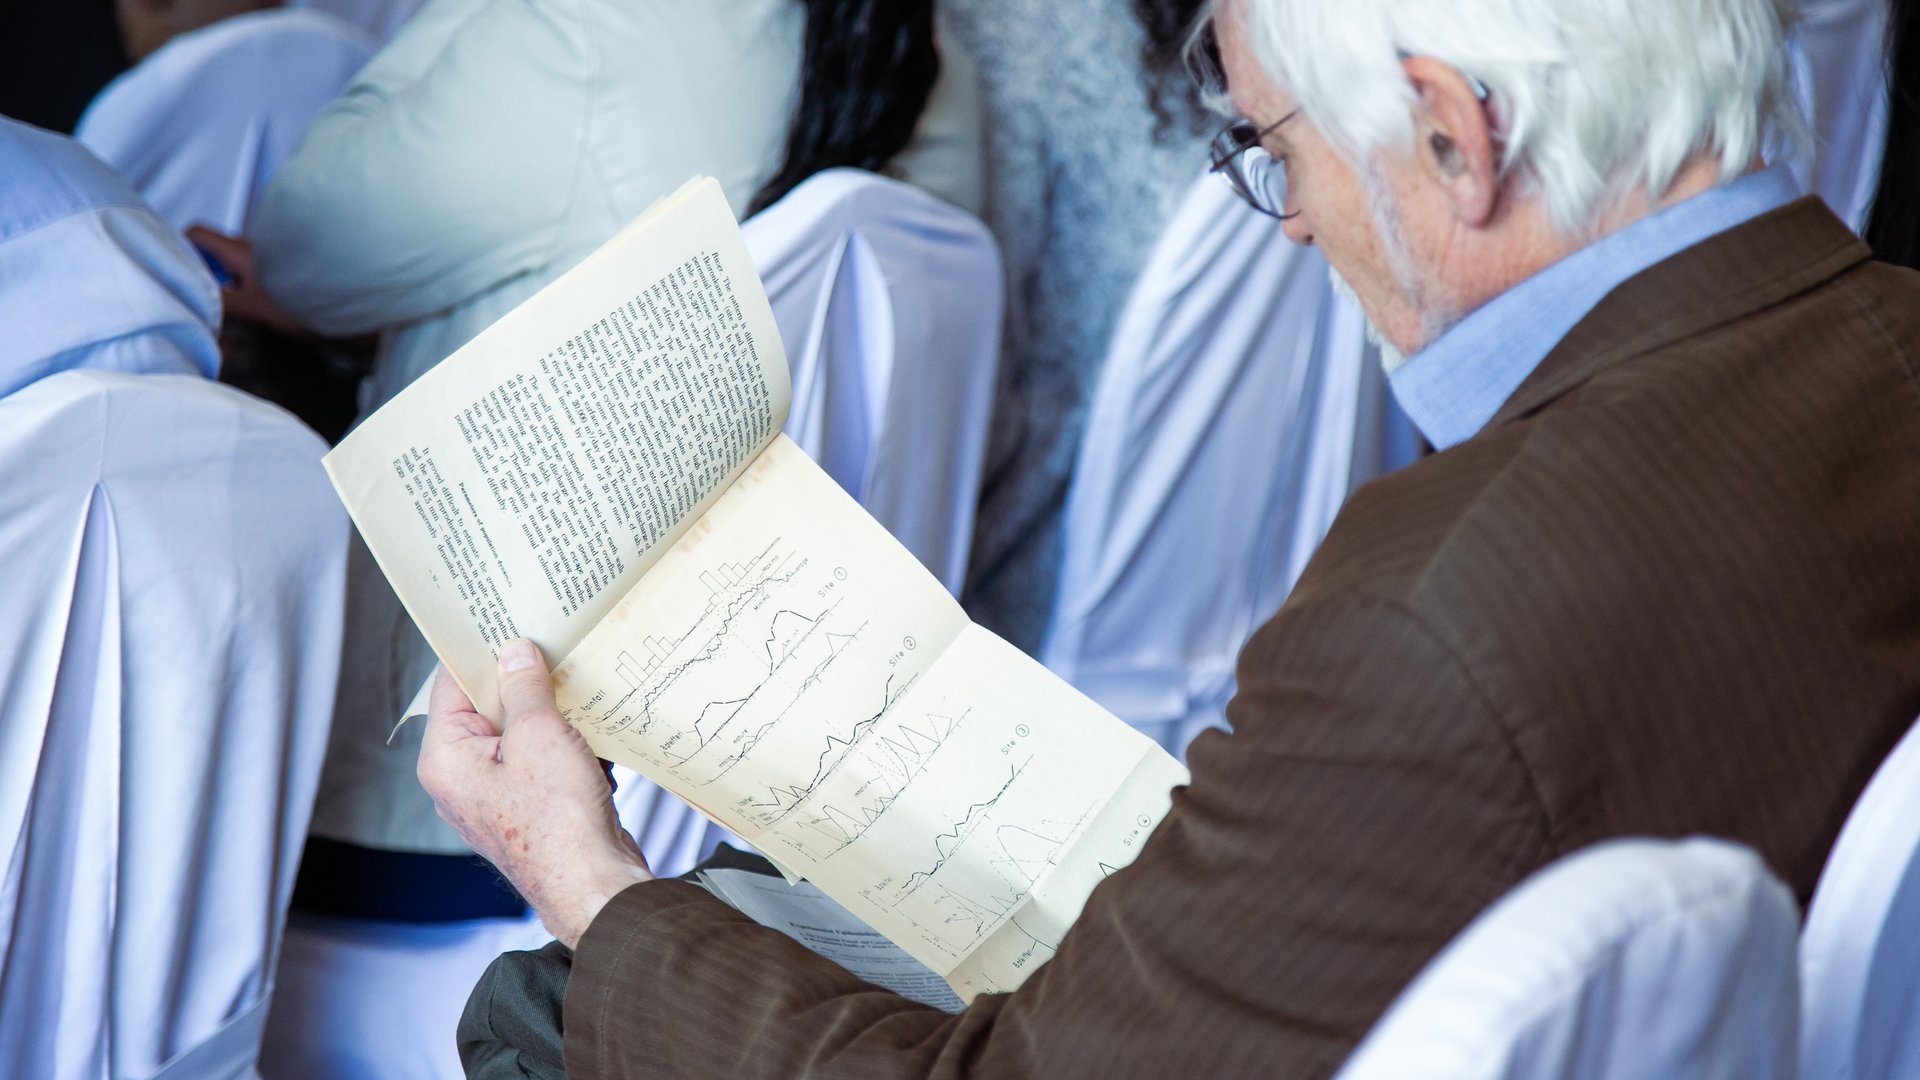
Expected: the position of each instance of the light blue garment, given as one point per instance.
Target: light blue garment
(1455, 385)
(170, 624)
(89, 277)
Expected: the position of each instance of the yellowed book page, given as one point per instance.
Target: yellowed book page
(1032, 795)
(1111, 840)
(522, 486)
(773, 640)
(791, 671)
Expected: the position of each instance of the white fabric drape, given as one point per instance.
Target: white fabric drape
(1240, 405)
(169, 644)
(201, 126)
(1839, 58)
(1860, 953)
(1632, 960)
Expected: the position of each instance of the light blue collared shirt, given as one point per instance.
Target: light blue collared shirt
(1453, 387)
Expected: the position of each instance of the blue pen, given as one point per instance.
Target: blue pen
(221, 275)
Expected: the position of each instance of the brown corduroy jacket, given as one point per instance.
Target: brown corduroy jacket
(1673, 588)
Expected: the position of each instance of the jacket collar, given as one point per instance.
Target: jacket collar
(1775, 256)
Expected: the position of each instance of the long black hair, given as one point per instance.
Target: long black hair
(1894, 226)
(1168, 23)
(865, 76)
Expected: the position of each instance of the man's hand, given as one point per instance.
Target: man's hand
(535, 801)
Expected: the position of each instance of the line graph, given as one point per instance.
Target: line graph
(767, 632)
(891, 761)
(782, 799)
(953, 838)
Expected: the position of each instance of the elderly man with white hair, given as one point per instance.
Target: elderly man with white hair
(1659, 579)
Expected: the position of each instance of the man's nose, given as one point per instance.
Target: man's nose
(1298, 230)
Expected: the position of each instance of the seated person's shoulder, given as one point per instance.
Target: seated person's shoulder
(113, 428)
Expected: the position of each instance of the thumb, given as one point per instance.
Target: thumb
(526, 687)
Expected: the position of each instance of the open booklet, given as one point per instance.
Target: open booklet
(602, 471)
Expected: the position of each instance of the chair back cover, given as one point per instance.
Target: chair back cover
(889, 304)
(1631, 960)
(1860, 952)
(1839, 58)
(202, 125)
(1240, 404)
(174, 565)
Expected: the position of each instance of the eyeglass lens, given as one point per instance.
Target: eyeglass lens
(1250, 170)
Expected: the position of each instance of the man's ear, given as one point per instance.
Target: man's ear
(1454, 139)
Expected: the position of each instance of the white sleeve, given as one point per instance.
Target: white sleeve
(443, 170)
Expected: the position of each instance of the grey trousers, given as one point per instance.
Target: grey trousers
(512, 1027)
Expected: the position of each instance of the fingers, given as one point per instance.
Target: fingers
(449, 703)
(527, 708)
(526, 687)
(235, 253)
(457, 738)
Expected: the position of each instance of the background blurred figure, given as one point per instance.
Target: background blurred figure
(171, 640)
(1083, 175)
(146, 25)
(1893, 228)
(1234, 357)
(199, 128)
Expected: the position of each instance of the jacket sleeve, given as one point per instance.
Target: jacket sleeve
(442, 171)
(1367, 806)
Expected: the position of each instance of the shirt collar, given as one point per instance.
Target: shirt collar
(1454, 386)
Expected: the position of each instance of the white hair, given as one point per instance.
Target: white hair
(1595, 100)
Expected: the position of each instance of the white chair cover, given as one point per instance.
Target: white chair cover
(202, 125)
(1633, 960)
(174, 567)
(889, 304)
(1839, 58)
(1239, 406)
(1860, 952)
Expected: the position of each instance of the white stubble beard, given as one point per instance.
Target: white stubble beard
(1390, 357)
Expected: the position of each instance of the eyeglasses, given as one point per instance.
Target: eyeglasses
(1245, 165)
(1240, 160)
